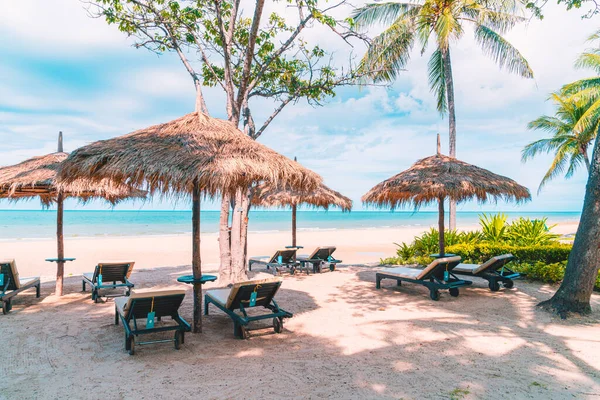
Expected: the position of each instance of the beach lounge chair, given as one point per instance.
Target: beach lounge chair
(11, 284)
(437, 275)
(283, 258)
(109, 275)
(149, 306)
(494, 271)
(322, 256)
(245, 295)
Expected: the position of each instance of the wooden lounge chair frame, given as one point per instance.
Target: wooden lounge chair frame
(432, 277)
(165, 304)
(288, 256)
(12, 285)
(321, 256)
(111, 272)
(239, 299)
(495, 272)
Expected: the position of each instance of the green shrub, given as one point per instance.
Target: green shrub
(420, 260)
(526, 232)
(479, 253)
(539, 271)
(493, 227)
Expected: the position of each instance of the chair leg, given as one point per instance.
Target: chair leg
(205, 307)
(83, 286)
(116, 316)
(378, 282)
(37, 290)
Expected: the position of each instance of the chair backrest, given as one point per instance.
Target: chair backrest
(438, 266)
(113, 271)
(322, 253)
(162, 302)
(241, 292)
(494, 263)
(287, 256)
(11, 276)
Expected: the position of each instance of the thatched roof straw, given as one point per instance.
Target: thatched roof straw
(266, 195)
(36, 177)
(171, 157)
(440, 176)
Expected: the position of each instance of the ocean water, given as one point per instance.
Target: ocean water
(20, 224)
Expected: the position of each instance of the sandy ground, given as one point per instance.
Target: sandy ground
(347, 340)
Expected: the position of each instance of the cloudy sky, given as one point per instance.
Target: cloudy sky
(61, 70)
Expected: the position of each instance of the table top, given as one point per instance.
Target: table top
(60, 260)
(190, 279)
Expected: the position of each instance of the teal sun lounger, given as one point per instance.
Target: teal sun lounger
(11, 284)
(109, 275)
(494, 271)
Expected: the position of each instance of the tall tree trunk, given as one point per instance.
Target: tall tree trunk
(441, 226)
(196, 260)
(60, 265)
(200, 103)
(451, 121)
(238, 269)
(575, 291)
(225, 240)
(586, 159)
(294, 225)
(245, 220)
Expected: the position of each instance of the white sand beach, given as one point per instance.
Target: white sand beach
(347, 340)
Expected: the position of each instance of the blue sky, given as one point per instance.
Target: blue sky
(62, 70)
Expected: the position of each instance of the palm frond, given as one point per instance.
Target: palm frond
(437, 80)
(502, 52)
(589, 60)
(389, 52)
(381, 13)
(581, 85)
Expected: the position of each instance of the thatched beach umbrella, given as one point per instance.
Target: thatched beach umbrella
(36, 177)
(439, 177)
(192, 155)
(267, 195)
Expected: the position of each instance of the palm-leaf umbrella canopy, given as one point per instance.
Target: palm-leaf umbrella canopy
(268, 195)
(193, 149)
(193, 154)
(36, 177)
(435, 178)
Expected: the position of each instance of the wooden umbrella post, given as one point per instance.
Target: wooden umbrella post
(196, 259)
(441, 225)
(294, 207)
(60, 264)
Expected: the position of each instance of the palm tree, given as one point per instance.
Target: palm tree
(569, 145)
(444, 22)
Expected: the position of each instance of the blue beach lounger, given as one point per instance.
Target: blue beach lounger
(145, 308)
(241, 297)
(109, 275)
(11, 285)
(494, 271)
(321, 257)
(437, 275)
(283, 258)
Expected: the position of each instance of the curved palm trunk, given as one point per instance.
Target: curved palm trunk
(451, 121)
(575, 291)
(586, 159)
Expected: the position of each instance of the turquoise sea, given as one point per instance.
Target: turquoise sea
(19, 224)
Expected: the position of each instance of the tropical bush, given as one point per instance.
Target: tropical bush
(479, 253)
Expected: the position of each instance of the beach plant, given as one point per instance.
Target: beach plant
(481, 252)
(527, 232)
(572, 134)
(493, 227)
(441, 22)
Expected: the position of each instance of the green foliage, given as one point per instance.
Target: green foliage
(442, 22)
(493, 227)
(571, 136)
(526, 232)
(481, 252)
(540, 271)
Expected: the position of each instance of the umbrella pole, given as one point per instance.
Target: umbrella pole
(441, 225)
(60, 265)
(294, 225)
(196, 260)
